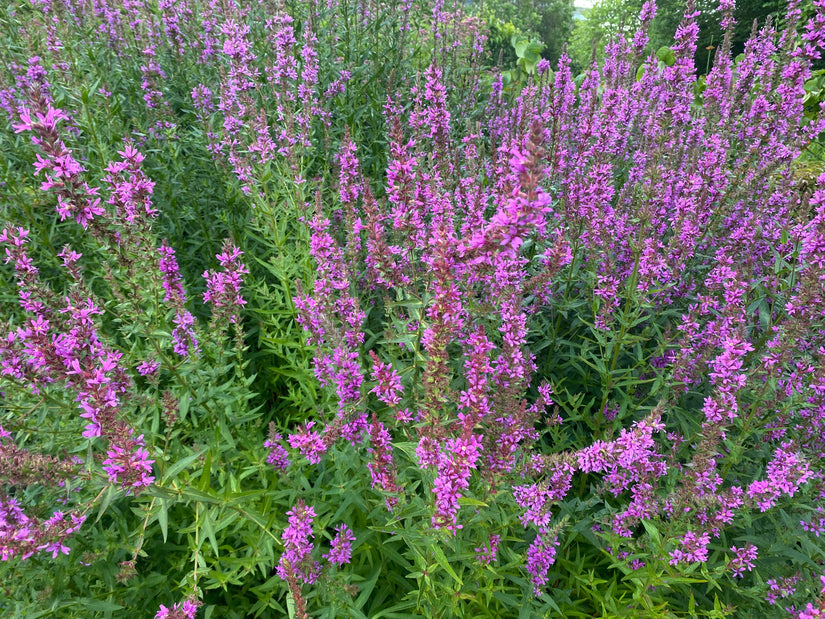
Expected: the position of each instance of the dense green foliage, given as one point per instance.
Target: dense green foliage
(529, 331)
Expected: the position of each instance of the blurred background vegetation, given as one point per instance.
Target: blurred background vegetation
(583, 27)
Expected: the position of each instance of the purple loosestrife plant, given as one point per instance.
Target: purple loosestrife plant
(223, 291)
(278, 455)
(182, 610)
(184, 338)
(62, 173)
(617, 200)
(382, 467)
(22, 536)
(340, 552)
(489, 552)
(296, 561)
(68, 351)
(743, 559)
(540, 558)
(572, 323)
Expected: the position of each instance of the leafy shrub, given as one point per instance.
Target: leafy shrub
(548, 350)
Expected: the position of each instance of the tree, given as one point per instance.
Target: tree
(556, 26)
(607, 19)
(549, 21)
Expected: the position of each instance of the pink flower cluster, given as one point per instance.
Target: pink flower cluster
(182, 610)
(184, 339)
(223, 288)
(459, 458)
(75, 198)
(22, 535)
(743, 559)
(382, 466)
(297, 556)
(541, 555)
(536, 499)
(278, 456)
(693, 548)
(488, 554)
(786, 473)
(340, 551)
(296, 565)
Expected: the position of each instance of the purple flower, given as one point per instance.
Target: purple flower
(202, 100)
(131, 189)
(540, 558)
(459, 457)
(786, 473)
(333, 317)
(223, 289)
(815, 525)
(630, 460)
(278, 456)
(382, 466)
(341, 546)
(523, 215)
(298, 547)
(128, 463)
(350, 181)
(778, 589)
(22, 535)
(387, 382)
(184, 340)
(542, 66)
(310, 444)
(148, 367)
(171, 275)
(536, 499)
(693, 548)
(183, 610)
(62, 172)
(475, 401)
(487, 555)
(743, 559)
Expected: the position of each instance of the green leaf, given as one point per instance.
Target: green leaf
(366, 589)
(408, 447)
(183, 405)
(665, 54)
(202, 497)
(526, 610)
(180, 465)
(653, 532)
(108, 496)
(290, 605)
(210, 531)
(163, 518)
(100, 605)
(442, 561)
(463, 501)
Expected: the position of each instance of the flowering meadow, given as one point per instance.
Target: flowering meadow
(314, 308)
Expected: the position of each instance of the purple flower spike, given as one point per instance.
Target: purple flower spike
(341, 546)
(297, 556)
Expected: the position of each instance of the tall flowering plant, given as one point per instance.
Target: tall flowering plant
(90, 364)
(556, 353)
(606, 250)
(115, 318)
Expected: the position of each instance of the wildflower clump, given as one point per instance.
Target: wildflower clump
(318, 308)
